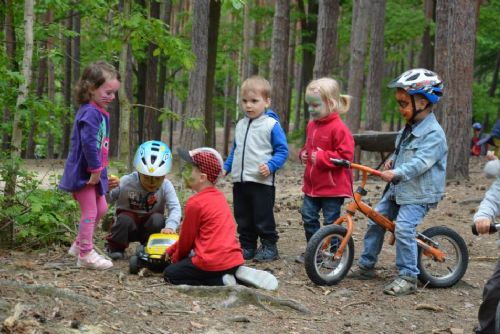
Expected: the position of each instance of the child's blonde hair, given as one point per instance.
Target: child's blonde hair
(258, 84)
(93, 77)
(329, 91)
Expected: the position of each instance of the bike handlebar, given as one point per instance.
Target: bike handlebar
(348, 164)
(493, 228)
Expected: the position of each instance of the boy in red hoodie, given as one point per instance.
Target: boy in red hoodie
(208, 252)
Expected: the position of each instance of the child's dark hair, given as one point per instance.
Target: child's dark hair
(92, 78)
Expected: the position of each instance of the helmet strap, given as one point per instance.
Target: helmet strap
(415, 110)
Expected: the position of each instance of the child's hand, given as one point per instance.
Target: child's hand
(388, 175)
(166, 257)
(491, 155)
(94, 178)
(224, 173)
(167, 231)
(113, 181)
(264, 170)
(313, 155)
(304, 156)
(483, 225)
(388, 164)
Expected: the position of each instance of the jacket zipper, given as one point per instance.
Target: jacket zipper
(312, 165)
(244, 147)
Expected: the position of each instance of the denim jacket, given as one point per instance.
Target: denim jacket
(420, 164)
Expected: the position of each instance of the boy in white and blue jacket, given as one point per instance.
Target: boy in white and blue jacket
(260, 148)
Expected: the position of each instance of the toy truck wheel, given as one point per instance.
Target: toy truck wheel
(139, 250)
(133, 265)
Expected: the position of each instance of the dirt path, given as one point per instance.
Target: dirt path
(53, 296)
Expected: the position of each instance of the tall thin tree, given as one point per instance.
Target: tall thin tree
(326, 38)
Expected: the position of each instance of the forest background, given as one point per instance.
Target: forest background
(181, 64)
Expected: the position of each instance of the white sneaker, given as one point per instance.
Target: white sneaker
(257, 278)
(74, 250)
(93, 261)
(229, 280)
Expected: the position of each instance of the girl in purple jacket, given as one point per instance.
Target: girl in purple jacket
(85, 173)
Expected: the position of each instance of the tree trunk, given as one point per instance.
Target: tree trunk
(376, 70)
(359, 38)
(7, 227)
(126, 108)
(10, 48)
(51, 88)
(455, 44)
(298, 82)
(426, 58)
(213, 32)
(249, 29)
(194, 132)
(326, 38)
(68, 117)
(290, 70)
(279, 60)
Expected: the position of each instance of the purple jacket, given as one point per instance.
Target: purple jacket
(88, 150)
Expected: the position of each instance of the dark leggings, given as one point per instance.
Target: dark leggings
(185, 272)
(491, 297)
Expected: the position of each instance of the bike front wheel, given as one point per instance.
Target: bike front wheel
(321, 267)
(437, 274)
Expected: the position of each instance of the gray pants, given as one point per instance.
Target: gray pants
(129, 227)
(491, 297)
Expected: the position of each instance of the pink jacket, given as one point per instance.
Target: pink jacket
(329, 137)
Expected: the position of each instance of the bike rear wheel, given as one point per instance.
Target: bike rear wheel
(437, 274)
(319, 263)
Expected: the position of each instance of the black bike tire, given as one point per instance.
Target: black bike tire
(436, 282)
(133, 264)
(310, 255)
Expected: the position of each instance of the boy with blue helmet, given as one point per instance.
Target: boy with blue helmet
(141, 199)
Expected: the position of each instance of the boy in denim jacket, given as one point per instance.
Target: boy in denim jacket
(416, 173)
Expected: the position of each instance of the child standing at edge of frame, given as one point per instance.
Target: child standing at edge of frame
(325, 185)
(260, 148)
(85, 174)
(416, 173)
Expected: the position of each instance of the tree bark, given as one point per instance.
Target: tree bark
(213, 32)
(194, 132)
(279, 60)
(67, 90)
(359, 38)
(298, 83)
(51, 87)
(6, 226)
(376, 70)
(10, 48)
(426, 58)
(326, 38)
(455, 44)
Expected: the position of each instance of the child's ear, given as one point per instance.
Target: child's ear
(268, 102)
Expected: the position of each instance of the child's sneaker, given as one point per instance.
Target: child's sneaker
(363, 273)
(267, 252)
(229, 280)
(74, 250)
(248, 253)
(257, 278)
(93, 261)
(401, 286)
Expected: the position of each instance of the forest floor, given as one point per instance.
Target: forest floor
(43, 291)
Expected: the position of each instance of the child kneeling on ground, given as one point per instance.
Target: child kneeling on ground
(208, 252)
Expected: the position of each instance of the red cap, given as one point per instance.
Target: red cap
(206, 159)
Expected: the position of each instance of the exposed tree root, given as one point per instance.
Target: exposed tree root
(50, 291)
(240, 295)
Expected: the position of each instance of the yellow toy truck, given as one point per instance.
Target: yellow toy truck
(151, 256)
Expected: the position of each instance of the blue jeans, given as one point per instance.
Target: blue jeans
(407, 217)
(310, 212)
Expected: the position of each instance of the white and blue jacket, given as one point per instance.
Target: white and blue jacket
(257, 141)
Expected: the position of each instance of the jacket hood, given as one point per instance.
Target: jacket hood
(272, 114)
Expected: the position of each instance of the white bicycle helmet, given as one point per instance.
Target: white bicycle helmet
(153, 158)
(420, 81)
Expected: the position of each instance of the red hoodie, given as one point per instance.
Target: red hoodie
(329, 137)
(209, 230)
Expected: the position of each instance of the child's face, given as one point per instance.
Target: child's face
(253, 103)
(105, 94)
(151, 183)
(192, 176)
(405, 107)
(317, 107)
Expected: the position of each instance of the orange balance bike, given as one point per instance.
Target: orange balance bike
(442, 253)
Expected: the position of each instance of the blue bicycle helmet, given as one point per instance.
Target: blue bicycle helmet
(477, 126)
(420, 81)
(153, 158)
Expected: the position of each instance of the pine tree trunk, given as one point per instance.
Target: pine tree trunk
(376, 70)
(213, 32)
(51, 88)
(359, 38)
(426, 58)
(455, 44)
(326, 38)
(68, 117)
(279, 60)
(6, 226)
(195, 136)
(10, 48)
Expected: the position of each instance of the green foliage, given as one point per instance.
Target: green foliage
(40, 217)
(482, 104)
